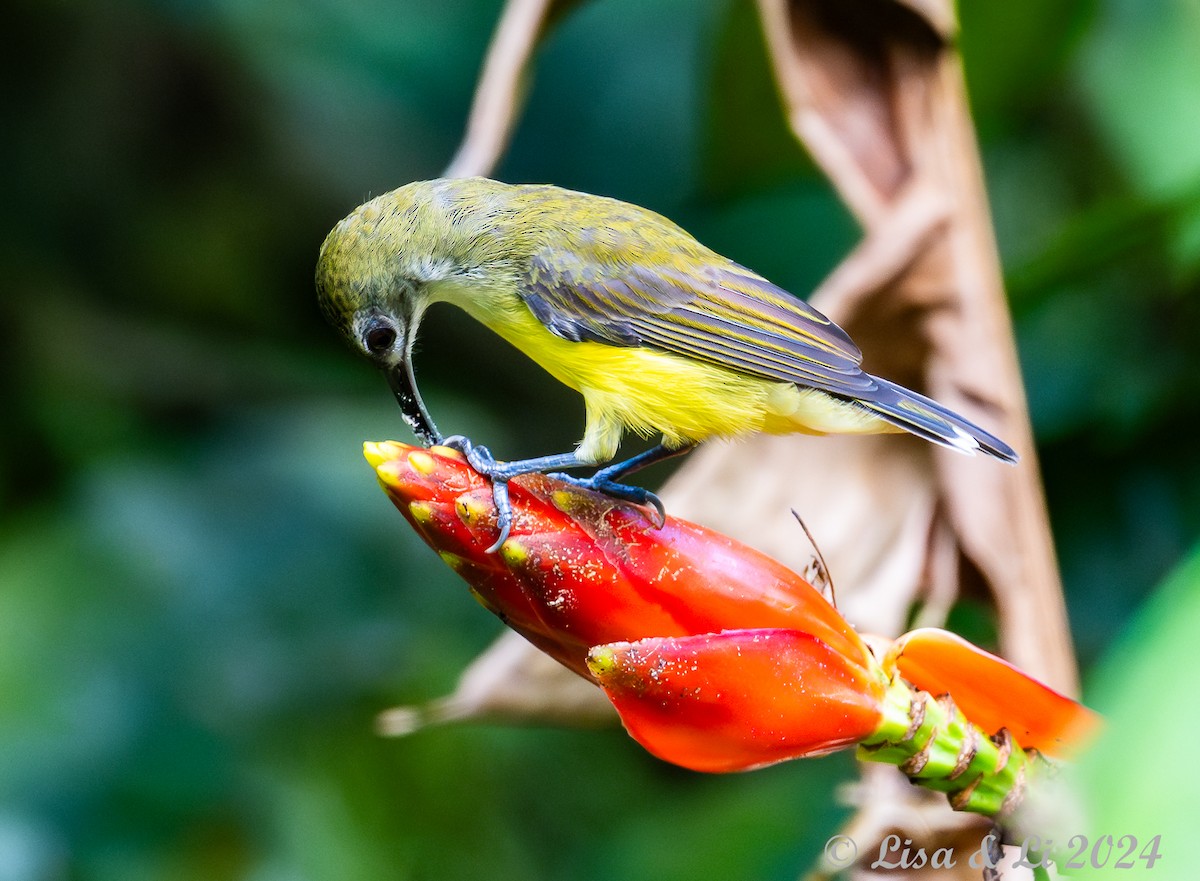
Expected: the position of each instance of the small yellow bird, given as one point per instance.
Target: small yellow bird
(660, 334)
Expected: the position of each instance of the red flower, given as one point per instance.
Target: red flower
(717, 657)
(580, 570)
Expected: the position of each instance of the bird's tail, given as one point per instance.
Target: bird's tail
(930, 420)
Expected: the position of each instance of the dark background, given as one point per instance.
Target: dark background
(204, 598)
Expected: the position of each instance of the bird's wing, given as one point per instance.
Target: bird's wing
(723, 314)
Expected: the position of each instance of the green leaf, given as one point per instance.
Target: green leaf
(1141, 773)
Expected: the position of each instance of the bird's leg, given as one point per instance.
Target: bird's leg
(657, 453)
(606, 479)
(500, 473)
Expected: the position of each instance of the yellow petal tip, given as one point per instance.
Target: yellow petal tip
(470, 510)
(447, 452)
(513, 553)
(422, 462)
(376, 453)
(601, 661)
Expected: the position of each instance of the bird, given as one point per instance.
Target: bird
(661, 335)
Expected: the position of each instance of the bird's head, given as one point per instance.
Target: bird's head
(385, 263)
(373, 271)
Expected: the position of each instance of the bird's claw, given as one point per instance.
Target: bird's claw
(623, 491)
(481, 459)
(504, 513)
(459, 442)
(659, 520)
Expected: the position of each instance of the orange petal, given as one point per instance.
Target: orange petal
(991, 692)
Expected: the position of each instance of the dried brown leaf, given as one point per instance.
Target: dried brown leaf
(511, 682)
(874, 90)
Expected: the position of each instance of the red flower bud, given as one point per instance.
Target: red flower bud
(580, 570)
(717, 657)
(739, 699)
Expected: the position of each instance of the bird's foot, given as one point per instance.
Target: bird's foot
(500, 473)
(601, 483)
(459, 442)
(481, 459)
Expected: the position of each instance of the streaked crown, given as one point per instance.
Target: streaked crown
(390, 247)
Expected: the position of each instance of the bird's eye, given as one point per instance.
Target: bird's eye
(380, 338)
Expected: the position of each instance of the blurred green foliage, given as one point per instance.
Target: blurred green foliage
(1134, 779)
(204, 599)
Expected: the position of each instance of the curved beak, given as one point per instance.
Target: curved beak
(404, 387)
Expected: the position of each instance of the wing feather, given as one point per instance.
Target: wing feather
(699, 305)
(715, 311)
(754, 362)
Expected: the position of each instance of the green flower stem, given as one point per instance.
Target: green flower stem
(932, 742)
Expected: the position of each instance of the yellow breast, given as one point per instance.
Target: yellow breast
(648, 391)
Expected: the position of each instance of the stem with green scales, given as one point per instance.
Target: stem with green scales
(937, 747)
